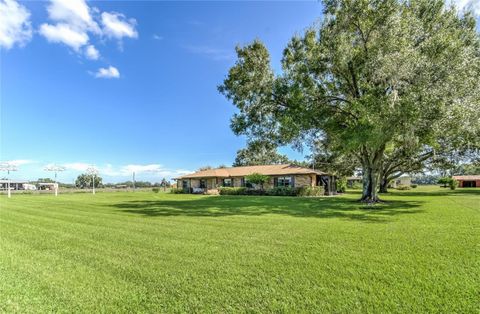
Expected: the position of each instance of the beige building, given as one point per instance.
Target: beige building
(404, 180)
(286, 175)
(351, 181)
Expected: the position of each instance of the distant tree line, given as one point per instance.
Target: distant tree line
(140, 184)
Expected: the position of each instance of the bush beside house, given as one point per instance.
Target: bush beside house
(450, 182)
(276, 191)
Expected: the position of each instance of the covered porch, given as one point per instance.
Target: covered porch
(199, 185)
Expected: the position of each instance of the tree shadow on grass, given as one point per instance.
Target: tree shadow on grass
(218, 206)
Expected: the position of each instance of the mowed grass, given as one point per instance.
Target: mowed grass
(146, 252)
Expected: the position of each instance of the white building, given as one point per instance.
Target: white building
(14, 184)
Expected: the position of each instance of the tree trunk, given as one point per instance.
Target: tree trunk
(370, 185)
(383, 185)
(372, 170)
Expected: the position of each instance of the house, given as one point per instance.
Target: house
(471, 181)
(403, 180)
(279, 175)
(351, 181)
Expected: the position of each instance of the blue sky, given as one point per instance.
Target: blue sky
(128, 86)
(162, 113)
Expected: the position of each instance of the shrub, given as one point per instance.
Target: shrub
(444, 181)
(232, 191)
(311, 191)
(403, 187)
(357, 186)
(282, 191)
(155, 190)
(342, 185)
(453, 184)
(276, 191)
(257, 178)
(413, 186)
(254, 192)
(177, 191)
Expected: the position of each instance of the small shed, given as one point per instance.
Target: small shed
(403, 180)
(47, 186)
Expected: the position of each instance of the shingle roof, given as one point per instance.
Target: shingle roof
(468, 178)
(285, 169)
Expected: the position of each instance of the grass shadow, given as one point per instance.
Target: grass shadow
(440, 192)
(218, 206)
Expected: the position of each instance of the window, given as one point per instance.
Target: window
(203, 183)
(227, 182)
(284, 181)
(185, 184)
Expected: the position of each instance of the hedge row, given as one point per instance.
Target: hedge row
(276, 191)
(177, 191)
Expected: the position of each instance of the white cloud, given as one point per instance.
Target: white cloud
(64, 33)
(77, 166)
(92, 53)
(216, 54)
(462, 5)
(110, 72)
(73, 23)
(157, 37)
(141, 168)
(18, 162)
(110, 171)
(74, 12)
(153, 171)
(15, 27)
(116, 25)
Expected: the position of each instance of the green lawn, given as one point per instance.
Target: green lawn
(147, 252)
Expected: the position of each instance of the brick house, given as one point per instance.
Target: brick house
(472, 181)
(279, 175)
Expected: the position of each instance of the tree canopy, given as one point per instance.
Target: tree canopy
(84, 181)
(375, 78)
(257, 178)
(259, 152)
(46, 180)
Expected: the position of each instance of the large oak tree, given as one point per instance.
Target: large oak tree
(375, 73)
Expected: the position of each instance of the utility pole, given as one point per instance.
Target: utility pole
(55, 169)
(93, 172)
(5, 166)
(133, 180)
